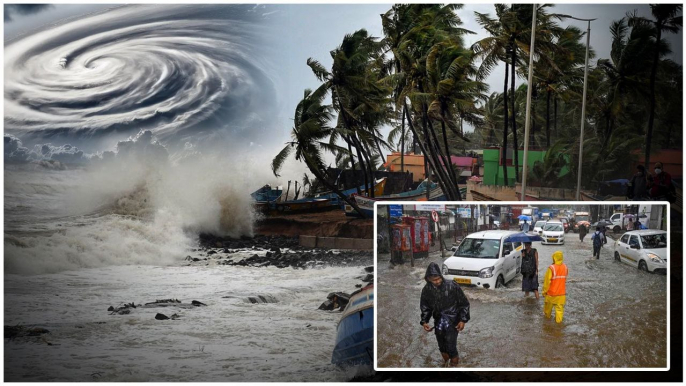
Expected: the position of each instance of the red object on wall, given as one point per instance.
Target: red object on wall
(419, 230)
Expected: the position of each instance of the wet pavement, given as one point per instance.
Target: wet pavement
(615, 317)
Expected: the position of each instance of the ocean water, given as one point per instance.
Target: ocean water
(80, 240)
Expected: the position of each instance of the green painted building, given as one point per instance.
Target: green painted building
(493, 170)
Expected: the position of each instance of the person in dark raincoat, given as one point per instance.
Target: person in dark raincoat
(582, 232)
(447, 304)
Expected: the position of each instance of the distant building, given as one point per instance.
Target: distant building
(415, 164)
(493, 169)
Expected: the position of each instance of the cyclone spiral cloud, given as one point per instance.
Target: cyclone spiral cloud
(174, 69)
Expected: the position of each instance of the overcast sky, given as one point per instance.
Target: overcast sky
(312, 30)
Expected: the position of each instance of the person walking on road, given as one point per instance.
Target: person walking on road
(530, 270)
(554, 288)
(597, 240)
(448, 305)
(582, 232)
(525, 227)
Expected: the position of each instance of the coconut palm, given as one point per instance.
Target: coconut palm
(310, 129)
(667, 19)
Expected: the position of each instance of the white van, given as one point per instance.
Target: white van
(485, 260)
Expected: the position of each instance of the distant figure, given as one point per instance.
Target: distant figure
(638, 190)
(525, 227)
(597, 239)
(448, 305)
(554, 288)
(660, 185)
(530, 270)
(582, 232)
(603, 229)
(637, 224)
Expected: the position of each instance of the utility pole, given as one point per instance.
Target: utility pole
(529, 89)
(583, 108)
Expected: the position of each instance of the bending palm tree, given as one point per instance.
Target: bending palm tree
(310, 129)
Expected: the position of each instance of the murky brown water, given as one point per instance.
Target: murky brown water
(615, 316)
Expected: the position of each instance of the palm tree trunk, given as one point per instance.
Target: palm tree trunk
(402, 142)
(438, 154)
(450, 163)
(352, 165)
(320, 177)
(427, 160)
(547, 120)
(557, 134)
(515, 144)
(503, 158)
(361, 160)
(288, 189)
(369, 160)
(297, 191)
(651, 117)
(378, 148)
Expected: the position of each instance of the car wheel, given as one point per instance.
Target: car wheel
(617, 256)
(499, 282)
(643, 266)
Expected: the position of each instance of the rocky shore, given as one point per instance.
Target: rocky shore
(278, 251)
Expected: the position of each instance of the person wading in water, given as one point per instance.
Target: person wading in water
(529, 270)
(448, 305)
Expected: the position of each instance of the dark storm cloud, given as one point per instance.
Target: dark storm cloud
(24, 9)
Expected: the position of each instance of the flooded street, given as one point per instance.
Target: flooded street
(615, 316)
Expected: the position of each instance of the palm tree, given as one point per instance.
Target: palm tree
(492, 113)
(310, 129)
(667, 19)
(356, 91)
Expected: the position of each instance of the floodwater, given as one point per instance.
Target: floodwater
(615, 317)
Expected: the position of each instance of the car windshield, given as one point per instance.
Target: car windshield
(563, 220)
(553, 227)
(581, 218)
(539, 224)
(479, 248)
(654, 241)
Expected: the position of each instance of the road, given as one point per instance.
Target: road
(615, 316)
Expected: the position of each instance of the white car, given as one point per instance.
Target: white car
(553, 233)
(538, 228)
(485, 259)
(645, 249)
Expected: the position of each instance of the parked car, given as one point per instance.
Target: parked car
(553, 233)
(538, 228)
(485, 259)
(645, 249)
(565, 223)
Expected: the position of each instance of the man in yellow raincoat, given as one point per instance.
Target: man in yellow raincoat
(554, 288)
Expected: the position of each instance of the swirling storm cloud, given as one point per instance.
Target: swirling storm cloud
(180, 71)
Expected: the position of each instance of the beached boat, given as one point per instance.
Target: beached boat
(322, 202)
(379, 186)
(355, 331)
(264, 196)
(366, 204)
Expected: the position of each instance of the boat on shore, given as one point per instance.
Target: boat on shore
(366, 204)
(355, 331)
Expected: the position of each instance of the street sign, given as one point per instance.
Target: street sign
(430, 207)
(396, 210)
(464, 212)
(434, 216)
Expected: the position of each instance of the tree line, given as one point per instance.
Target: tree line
(423, 81)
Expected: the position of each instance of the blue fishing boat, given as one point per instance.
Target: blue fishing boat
(366, 204)
(355, 331)
(266, 194)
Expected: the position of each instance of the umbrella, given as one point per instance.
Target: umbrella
(523, 238)
(524, 217)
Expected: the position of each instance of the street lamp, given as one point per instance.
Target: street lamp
(583, 107)
(528, 104)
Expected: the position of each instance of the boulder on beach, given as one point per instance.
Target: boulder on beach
(159, 316)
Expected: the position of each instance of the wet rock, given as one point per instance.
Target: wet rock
(211, 253)
(369, 269)
(197, 303)
(196, 259)
(110, 309)
(159, 316)
(368, 279)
